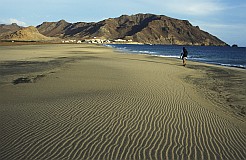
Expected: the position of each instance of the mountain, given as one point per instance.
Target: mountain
(27, 34)
(142, 28)
(64, 29)
(54, 29)
(8, 29)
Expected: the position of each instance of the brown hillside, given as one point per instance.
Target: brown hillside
(144, 28)
(149, 28)
(27, 34)
(8, 29)
(53, 29)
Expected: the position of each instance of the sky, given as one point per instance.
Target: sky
(226, 19)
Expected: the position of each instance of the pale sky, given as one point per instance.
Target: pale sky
(225, 19)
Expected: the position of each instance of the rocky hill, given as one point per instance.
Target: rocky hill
(27, 34)
(8, 29)
(64, 29)
(142, 28)
(54, 29)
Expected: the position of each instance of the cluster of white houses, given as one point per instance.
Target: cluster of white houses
(96, 40)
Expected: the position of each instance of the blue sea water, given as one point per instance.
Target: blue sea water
(225, 56)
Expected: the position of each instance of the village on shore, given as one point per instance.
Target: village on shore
(96, 40)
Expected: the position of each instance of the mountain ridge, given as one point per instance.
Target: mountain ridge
(142, 28)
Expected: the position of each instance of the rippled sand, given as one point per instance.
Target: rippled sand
(94, 103)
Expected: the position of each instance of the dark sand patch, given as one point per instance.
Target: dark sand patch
(223, 86)
(27, 79)
(30, 71)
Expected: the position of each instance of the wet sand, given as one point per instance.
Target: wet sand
(90, 102)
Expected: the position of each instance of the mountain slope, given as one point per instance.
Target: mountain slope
(8, 29)
(27, 34)
(143, 28)
(54, 29)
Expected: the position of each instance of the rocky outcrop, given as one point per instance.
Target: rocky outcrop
(53, 29)
(27, 34)
(8, 29)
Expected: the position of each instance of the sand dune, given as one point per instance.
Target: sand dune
(109, 105)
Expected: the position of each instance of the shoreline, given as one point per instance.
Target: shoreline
(91, 102)
(226, 99)
(177, 56)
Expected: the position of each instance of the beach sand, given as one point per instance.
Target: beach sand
(91, 102)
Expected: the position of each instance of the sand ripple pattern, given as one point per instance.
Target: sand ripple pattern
(140, 119)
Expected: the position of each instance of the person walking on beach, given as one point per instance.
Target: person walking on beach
(184, 55)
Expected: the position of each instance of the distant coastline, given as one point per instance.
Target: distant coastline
(138, 28)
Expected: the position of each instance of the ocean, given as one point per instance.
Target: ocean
(225, 56)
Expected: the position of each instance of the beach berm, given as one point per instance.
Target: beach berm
(91, 102)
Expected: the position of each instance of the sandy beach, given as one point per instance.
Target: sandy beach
(81, 101)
